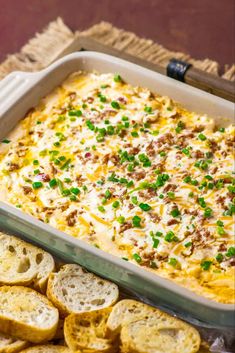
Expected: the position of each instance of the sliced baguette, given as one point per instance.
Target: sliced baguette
(23, 264)
(74, 290)
(166, 334)
(47, 348)
(126, 311)
(9, 344)
(86, 331)
(27, 314)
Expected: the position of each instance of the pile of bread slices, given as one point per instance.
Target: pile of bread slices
(45, 309)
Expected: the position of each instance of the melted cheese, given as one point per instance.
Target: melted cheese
(131, 172)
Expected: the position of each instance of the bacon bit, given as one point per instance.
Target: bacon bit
(166, 138)
(170, 187)
(138, 175)
(43, 177)
(224, 153)
(123, 133)
(71, 218)
(125, 226)
(172, 221)
(134, 150)
(198, 154)
(106, 158)
(53, 169)
(13, 166)
(122, 100)
(222, 247)
(214, 170)
(232, 261)
(199, 128)
(221, 200)
(213, 145)
(90, 100)
(154, 217)
(227, 180)
(150, 149)
(192, 213)
(27, 189)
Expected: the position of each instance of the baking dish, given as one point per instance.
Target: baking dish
(19, 92)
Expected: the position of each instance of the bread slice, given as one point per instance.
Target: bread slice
(126, 311)
(47, 348)
(23, 264)
(74, 290)
(27, 314)
(166, 334)
(9, 344)
(87, 331)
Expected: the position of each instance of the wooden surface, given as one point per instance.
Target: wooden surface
(202, 28)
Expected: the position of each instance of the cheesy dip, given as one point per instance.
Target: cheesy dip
(132, 173)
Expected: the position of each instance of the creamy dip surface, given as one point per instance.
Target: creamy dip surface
(133, 173)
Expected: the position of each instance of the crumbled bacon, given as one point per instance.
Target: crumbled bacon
(43, 177)
(154, 217)
(198, 128)
(27, 189)
(172, 221)
(13, 166)
(198, 154)
(125, 226)
(170, 187)
(71, 218)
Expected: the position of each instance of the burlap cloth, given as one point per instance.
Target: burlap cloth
(45, 47)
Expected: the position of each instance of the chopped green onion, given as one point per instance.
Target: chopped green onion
(202, 137)
(116, 204)
(75, 191)
(101, 209)
(117, 78)
(208, 212)
(219, 257)
(175, 212)
(188, 244)
(137, 258)
(121, 219)
(230, 252)
(136, 221)
(145, 207)
(37, 185)
(115, 105)
(172, 261)
(148, 109)
(205, 265)
(52, 183)
(77, 113)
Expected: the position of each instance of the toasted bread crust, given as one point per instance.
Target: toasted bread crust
(11, 322)
(22, 263)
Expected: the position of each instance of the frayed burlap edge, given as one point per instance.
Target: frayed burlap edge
(45, 47)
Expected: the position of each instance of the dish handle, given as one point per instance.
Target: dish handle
(13, 87)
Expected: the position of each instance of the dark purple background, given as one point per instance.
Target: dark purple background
(202, 28)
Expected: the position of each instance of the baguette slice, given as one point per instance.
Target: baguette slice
(86, 331)
(47, 348)
(126, 311)
(74, 290)
(27, 314)
(166, 334)
(23, 264)
(10, 344)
